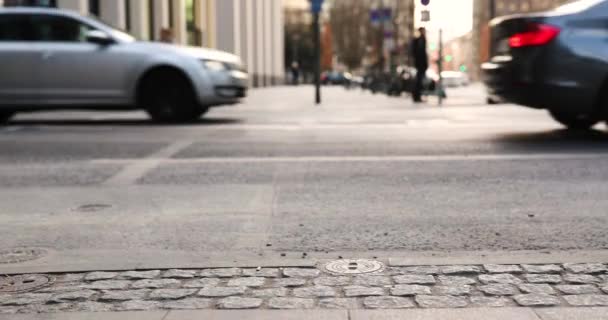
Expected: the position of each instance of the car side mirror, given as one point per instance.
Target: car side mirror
(99, 37)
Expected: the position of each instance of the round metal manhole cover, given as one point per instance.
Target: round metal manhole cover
(359, 266)
(24, 283)
(17, 255)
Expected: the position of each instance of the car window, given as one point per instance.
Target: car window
(58, 29)
(13, 28)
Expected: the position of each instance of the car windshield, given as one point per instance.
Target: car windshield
(115, 32)
(578, 6)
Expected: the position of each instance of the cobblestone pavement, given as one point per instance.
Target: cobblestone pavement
(474, 286)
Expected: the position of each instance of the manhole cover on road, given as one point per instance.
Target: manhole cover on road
(358, 266)
(24, 283)
(17, 255)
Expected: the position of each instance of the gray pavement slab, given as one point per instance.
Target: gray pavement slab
(446, 314)
(573, 314)
(259, 315)
(145, 315)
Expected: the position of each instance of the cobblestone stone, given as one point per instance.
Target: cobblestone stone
(201, 283)
(547, 268)
(10, 310)
(91, 306)
(24, 299)
(604, 289)
(123, 295)
(264, 272)
(188, 304)
(585, 267)
(47, 308)
(499, 278)
(388, 303)
(221, 291)
(410, 290)
(314, 292)
(70, 277)
(452, 290)
(179, 274)
(536, 300)
(441, 302)
(499, 289)
(589, 300)
(269, 293)
(460, 270)
(430, 270)
(171, 294)
(247, 282)
(220, 273)
(139, 275)
(490, 302)
(301, 273)
(95, 276)
(138, 305)
(578, 289)
(367, 280)
(537, 289)
(456, 281)
(332, 281)
(291, 303)
(414, 279)
(339, 303)
(581, 279)
(239, 303)
(155, 283)
(543, 278)
(289, 282)
(501, 268)
(82, 295)
(359, 291)
(63, 287)
(108, 285)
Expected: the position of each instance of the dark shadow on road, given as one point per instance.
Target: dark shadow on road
(122, 122)
(556, 140)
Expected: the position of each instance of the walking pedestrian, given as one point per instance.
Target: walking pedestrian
(421, 62)
(295, 73)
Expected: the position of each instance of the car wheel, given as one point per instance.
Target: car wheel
(572, 121)
(5, 116)
(168, 97)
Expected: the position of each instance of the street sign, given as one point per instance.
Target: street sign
(316, 6)
(425, 16)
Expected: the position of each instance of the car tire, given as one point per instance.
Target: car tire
(5, 117)
(168, 97)
(574, 122)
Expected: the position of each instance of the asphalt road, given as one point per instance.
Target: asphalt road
(361, 174)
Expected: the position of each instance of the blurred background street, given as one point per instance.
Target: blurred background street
(363, 173)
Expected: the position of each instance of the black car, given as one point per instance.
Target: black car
(556, 60)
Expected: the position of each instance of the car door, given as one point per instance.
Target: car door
(19, 62)
(74, 71)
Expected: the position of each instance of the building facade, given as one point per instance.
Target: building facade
(482, 16)
(251, 29)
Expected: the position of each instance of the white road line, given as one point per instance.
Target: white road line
(137, 168)
(413, 158)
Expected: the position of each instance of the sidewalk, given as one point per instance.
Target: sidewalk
(435, 314)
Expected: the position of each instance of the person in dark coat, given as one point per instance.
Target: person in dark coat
(421, 62)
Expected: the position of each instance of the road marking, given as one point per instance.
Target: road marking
(413, 158)
(137, 168)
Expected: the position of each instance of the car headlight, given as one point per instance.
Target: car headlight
(215, 65)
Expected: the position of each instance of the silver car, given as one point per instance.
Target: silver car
(57, 59)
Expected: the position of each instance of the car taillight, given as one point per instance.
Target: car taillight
(537, 35)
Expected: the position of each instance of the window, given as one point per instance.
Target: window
(94, 7)
(13, 28)
(57, 28)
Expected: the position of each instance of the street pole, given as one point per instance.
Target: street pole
(317, 63)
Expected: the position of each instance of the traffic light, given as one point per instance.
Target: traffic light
(449, 58)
